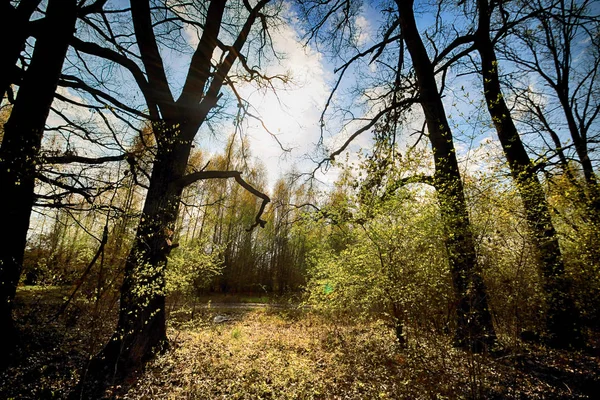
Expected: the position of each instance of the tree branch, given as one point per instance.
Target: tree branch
(159, 90)
(76, 83)
(132, 67)
(372, 122)
(391, 189)
(202, 175)
(71, 158)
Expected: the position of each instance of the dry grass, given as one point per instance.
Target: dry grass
(278, 355)
(267, 355)
(296, 354)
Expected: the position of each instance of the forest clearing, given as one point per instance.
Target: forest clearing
(300, 199)
(291, 353)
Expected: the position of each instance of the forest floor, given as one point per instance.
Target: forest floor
(270, 352)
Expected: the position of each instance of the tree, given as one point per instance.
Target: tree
(562, 320)
(141, 329)
(474, 329)
(21, 143)
(282, 262)
(15, 28)
(559, 45)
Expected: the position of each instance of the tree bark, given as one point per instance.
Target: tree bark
(474, 328)
(562, 316)
(21, 144)
(141, 329)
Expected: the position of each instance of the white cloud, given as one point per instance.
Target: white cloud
(291, 112)
(484, 158)
(363, 35)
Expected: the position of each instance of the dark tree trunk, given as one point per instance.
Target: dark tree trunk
(21, 144)
(141, 329)
(474, 329)
(14, 32)
(562, 317)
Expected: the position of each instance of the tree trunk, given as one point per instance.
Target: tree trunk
(580, 142)
(474, 329)
(562, 316)
(141, 329)
(14, 32)
(21, 144)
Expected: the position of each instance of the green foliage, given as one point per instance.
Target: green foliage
(191, 268)
(507, 255)
(393, 263)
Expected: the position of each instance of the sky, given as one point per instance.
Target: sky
(292, 112)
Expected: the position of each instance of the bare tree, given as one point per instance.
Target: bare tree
(418, 86)
(23, 132)
(141, 329)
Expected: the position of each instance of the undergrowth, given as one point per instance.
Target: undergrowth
(286, 353)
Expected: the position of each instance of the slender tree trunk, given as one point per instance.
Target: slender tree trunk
(21, 144)
(562, 317)
(580, 142)
(474, 329)
(200, 234)
(119, 232)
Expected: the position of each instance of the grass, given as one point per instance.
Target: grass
(292, 354)
(273, 355)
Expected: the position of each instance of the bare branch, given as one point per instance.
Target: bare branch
(201, 175)
(372, 122)
(95, 7)
(72, 189)
(132, 67)
(71, 158)
(76, 83)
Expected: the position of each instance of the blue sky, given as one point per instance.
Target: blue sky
(292, 111)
